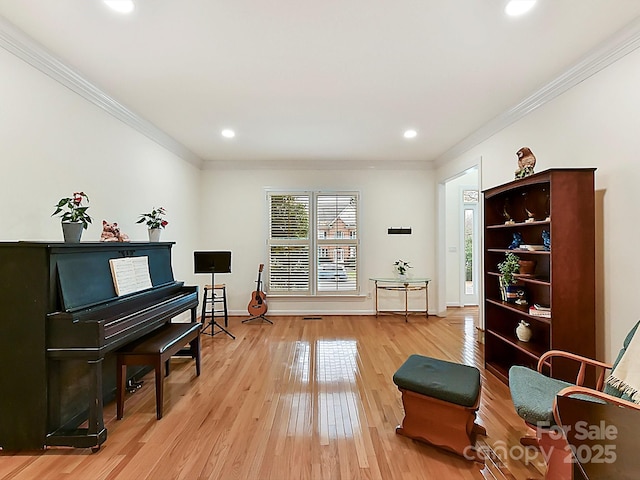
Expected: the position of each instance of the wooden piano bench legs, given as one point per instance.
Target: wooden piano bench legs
(440, 402)
(156, 349)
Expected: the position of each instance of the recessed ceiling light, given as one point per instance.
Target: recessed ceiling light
(519, 7)
(410, 134)
(120, 6)
(228, 133)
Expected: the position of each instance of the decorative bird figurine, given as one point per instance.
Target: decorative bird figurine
(505, 213)
(526, 162)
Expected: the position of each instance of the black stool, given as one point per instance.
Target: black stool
(214, 305)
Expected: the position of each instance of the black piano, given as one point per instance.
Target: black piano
(60, 323)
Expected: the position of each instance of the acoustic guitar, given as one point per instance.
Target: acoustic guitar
(258, 303)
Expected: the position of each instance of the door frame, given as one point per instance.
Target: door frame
(441, 248)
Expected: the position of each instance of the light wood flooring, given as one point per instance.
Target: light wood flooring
(300, 399)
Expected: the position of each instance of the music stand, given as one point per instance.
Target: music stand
(212, 262)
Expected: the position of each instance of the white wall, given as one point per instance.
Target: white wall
(235, 202)
(595, 124)
(53, 142)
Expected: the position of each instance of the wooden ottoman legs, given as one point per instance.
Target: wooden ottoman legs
(442, 424)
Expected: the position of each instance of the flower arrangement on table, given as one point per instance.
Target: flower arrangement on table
(154, 218)
(71, 209)
(401, 267)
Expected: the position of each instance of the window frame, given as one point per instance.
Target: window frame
(315, 243)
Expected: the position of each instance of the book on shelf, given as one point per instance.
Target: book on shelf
(538, 310)
(532, 248)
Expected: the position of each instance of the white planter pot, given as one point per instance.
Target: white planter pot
(154, 234)
(523, 332)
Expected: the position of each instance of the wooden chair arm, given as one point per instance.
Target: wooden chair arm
(570, 391)
(584, 362)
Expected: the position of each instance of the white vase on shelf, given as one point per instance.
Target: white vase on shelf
(154, 234)
(523, 331)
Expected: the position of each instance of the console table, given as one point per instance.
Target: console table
(405, 285)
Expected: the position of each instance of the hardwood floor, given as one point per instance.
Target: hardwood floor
(300, 399)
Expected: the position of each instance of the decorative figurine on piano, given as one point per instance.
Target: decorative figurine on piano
(111, 233)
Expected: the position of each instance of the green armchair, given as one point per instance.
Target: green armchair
(534, 397)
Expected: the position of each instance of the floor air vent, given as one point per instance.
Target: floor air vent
(312, 318)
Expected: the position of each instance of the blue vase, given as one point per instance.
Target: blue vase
(511, 293)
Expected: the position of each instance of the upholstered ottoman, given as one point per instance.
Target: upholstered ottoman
(440, 402)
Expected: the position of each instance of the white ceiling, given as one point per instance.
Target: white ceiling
(306, 81)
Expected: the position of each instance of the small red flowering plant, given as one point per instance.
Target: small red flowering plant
(72, 209)
(154, 218)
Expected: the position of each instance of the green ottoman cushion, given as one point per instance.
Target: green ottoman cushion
(447, 381)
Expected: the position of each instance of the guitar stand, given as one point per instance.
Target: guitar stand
(261, 317)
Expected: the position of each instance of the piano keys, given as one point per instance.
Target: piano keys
(60, 322)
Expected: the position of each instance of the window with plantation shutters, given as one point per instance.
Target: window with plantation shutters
(337, 242)
(313, 243)
(289, 247)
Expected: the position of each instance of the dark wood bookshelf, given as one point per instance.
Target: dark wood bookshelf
(562, 202)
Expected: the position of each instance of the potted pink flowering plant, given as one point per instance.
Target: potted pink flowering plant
(155, 222)
(74, 215)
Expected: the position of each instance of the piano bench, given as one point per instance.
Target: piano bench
(156, 349)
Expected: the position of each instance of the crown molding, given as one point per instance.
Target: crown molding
(24, 47)
(610, 51)
(317, 164)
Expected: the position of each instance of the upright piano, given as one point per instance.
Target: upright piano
(60, 323)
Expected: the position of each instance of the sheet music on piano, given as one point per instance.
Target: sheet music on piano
(130, 274)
